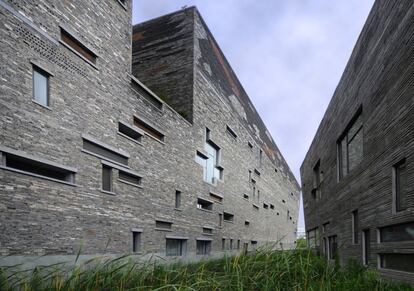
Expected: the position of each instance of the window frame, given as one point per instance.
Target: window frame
(396, 186)
(47, 76)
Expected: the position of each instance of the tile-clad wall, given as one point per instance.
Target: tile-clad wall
(378, 77)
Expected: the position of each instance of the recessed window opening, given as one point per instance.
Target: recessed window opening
(107, 178)
(397, 233)
(245, 196)
(25, 164)
(272, 206)
(204, 204)
(397, 262)
(265, 206)
(216, 197)
(148, 129)
(355, 228)
(247, 223)
(228, 216)
(130, 178)
(77, 46)
(136, 241)
(97, 149)
(231, 132)
(40, 86)
(203, 247)
(160, 224)
(402, 199)
(176, 247)
(177, 199)
(250, 145)
(207, 230)
(129, 131)
(350, 146)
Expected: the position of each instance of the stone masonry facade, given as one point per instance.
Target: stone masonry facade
(99, 168)
(358, 175)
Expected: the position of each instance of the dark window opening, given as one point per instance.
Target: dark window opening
(107, 178)
(247, 223)
(149, 129)
(103, 152)
(402, 199)
(245, 196)
(159, 224)
(203, 247)
(223, 244)
(355, 229)
(136, 241)
(129, 131)
(398, 232)
(31, 166)
(265, 206)
(366, 244)
(175, 247)
(272, 206)
(216, 197)
(333, 246)
(228, 216)
(130, 178)
(77, 46)
(207, 230)
(204, 204)
(398, 262)
(230, 131)
(177, 199)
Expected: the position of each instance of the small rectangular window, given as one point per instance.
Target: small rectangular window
(228, 217)
(220, 219)
(203, 247)
(260, 156)
(355, 230)
(148, 129)
(40, 86)
(136, 241)
(366, 246)
(175, 247)
(76, 46)
(231, 132)
(177, 199)
(231, 243)
(257, 172)
(107, 178)
(397, 233)
(333, 246)
(265, 206)
(247, 223)
(250, 145)
(163, 225)
(272, 206)
(255, 206)
(207, 230)
(245, 196)
(223, 244)
(22, 163)
(238, 244)
(204, 204)
(130, 132)
(400, 186)
(398, 262)
(130, 178)
(317, 181)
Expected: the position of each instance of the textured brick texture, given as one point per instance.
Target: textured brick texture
(378, 77)
(42, 217)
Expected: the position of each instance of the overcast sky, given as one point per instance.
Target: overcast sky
(288, 54)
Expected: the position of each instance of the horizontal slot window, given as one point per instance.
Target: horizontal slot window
(398, 232)
(148, 129)
(105, 152)
(245, 196)
(207, 230)
(160, 224)
(130, 178)
(228, 216)
(129, 131)
(204, 204)
(398, 262)
(257, 172)
(247, 223)
(77, 46)
(231, 132)
(24, 164)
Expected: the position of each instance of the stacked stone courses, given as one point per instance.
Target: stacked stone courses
(360, 209)
(77, 133)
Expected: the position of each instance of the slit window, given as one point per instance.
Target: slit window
(265, 206)
(204, 204)
(247, 223)
(129, 178)
(216, 197)
(77, 46)
(231, 243)
(148, 129)
(207, 230)
(40, 86)
(355, 227)
(40, 168)
(177, 199)
(136, 241)
(223, 244)
(231, 132)
(228, 217)
(101, 151)
(220, 219)
(250, 145)
(272, 206)
(107, 178)
(163, 225)
(129, 132)
(350, 146)
(402, 198)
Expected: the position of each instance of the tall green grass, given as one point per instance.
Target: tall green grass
(264, 270)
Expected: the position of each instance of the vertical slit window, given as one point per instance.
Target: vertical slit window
(400, 184)
(177, 199)
(136, 241)
(107, 178)
(40, 86)
(355, 230)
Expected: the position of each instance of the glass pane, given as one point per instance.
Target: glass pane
(399, 262)
(401, 188)
(355, 128)
(106, 178)
(355, 150)
(40, 89)
(173, 247)
(399, 232)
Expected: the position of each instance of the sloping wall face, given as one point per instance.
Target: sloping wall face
(220, 102)
(162, 58)
(358, 175)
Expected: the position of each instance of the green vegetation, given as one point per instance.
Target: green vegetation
(265, 270)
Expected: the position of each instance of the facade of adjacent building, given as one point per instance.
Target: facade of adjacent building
(91, 159)
(358, 175)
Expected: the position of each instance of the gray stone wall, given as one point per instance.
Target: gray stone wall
(43, 217)
(378, 77)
